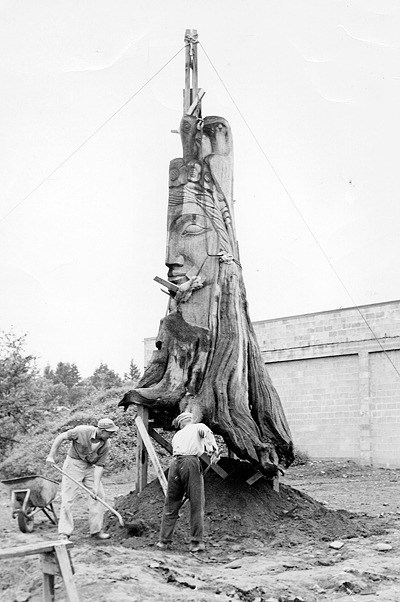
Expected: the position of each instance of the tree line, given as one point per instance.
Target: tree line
(102, 378)
(26, 392)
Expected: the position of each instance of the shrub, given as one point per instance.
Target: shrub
(29, 455)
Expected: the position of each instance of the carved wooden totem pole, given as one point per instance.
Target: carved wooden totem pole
(207, 359)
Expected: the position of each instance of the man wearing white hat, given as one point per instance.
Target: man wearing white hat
(185, 477)
(85, 462)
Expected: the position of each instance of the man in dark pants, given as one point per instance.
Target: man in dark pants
(186, 477)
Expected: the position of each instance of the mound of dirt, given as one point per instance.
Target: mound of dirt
(236, 512)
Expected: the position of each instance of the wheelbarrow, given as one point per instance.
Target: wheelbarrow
(29, 495)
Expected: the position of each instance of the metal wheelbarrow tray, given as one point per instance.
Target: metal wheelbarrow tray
(29, 495)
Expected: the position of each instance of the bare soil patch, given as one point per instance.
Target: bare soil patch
(236, 511)
(260, 545)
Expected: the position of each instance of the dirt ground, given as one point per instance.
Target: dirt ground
(260, 546)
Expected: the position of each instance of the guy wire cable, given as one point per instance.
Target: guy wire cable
(96, 131)
(299, 212)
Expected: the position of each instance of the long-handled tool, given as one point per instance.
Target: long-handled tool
(95, 497)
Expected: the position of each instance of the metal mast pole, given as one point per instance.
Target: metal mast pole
(192, 95)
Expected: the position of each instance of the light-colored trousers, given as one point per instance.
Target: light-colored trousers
(83, 473)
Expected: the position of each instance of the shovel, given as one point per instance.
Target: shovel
(95, 497)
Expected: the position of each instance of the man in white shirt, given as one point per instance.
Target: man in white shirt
(185, 477)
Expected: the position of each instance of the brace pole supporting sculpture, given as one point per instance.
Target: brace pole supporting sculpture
(207, 359)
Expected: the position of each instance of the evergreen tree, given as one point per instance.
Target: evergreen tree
(105, 378)
(49, 373)
(67, 374)
(134, 372)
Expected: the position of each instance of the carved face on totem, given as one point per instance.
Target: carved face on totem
(192, 238)
(194, 171)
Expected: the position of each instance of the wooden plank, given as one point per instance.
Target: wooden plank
(33, 548)
(196, 102)
(141, 452)
(256, 477)
(70, 561)
(48, 587)
(169, 285)
(160, 439)
(152, 453)
(217, 469)
(48, 564)
(49, 568)
(66, 572)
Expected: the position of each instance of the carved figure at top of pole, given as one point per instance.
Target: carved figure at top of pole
(207, 359)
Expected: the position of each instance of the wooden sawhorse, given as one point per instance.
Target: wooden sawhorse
(54, 560)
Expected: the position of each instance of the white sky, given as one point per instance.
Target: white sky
(317, 81)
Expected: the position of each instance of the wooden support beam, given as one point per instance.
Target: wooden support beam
(196, 101)
(217, 469)
(141, 452)
(66, 572)
(169, 285)
(258, 475)
(160, 439)
(48, 587)
(152, 453)
(48, 564)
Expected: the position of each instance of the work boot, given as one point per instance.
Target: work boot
(197, 546)
(101, 535)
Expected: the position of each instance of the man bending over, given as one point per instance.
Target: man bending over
(85, 461)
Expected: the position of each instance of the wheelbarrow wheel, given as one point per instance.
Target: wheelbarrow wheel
(25, 523)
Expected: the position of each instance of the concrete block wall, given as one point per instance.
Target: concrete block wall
(321, 406)
(335, 327)
(385, 406)
(338, 375)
